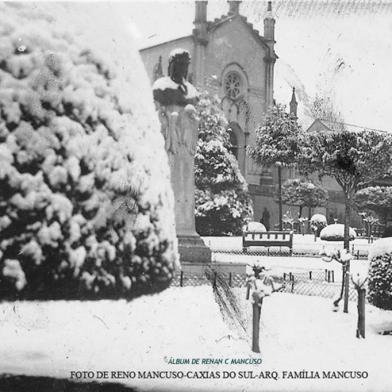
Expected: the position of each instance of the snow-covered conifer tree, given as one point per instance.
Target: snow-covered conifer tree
(222, 199)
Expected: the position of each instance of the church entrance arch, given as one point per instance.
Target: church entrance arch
(237, 140)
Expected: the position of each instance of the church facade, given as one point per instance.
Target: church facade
(235, 61)
(232, 59)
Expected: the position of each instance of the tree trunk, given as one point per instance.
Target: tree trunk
(361, 313)
(346, 287)
(309, 218)
(300, 211)
(256, 328)
(280, 198)
(347, 217)
(347, 247)
(336, 302)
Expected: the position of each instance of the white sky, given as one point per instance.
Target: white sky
(342, 49)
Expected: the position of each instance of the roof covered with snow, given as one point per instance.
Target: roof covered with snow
(338, 126)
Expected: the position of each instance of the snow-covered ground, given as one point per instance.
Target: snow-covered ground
(297, 333)
(300, 332)
(280, 264)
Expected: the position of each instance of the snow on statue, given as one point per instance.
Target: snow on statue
(174, 98)
(85, 201)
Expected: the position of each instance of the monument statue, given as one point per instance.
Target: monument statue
(175, 98)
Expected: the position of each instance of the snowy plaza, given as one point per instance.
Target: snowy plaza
(297, 333)
(195, 196)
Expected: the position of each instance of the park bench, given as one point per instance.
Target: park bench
(267, 239)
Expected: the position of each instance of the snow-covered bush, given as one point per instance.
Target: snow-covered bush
(380, 274)
(222, 199)
(254, 227)
(86, 207)
(335, 232)
(317, 223)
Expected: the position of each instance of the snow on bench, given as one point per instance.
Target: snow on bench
(267, 239)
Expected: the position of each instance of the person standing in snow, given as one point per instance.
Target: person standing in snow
(265, 219)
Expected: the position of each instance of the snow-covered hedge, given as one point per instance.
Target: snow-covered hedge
(380, 274)
(335, 232)
(86, 207)
(317, 223)
(318, 219)
(254, 227)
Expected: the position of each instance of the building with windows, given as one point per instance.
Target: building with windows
(232, 59)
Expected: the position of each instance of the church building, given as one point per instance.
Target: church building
(232, 59)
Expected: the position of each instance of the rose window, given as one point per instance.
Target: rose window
(233, 85)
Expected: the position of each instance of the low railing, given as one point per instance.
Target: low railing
(321, 283)
(267, 239)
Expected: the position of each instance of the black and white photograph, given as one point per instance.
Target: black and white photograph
(196, 196)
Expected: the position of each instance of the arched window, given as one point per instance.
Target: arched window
(233, 85)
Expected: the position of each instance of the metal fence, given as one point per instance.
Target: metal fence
(314, 283)
(273, 251)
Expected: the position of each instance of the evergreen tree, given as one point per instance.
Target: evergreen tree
(353, 159)
(302, 193)
(222, 199)
(277, 144)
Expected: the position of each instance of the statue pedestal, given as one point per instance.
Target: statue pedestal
(193, 249)
(180, 131)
